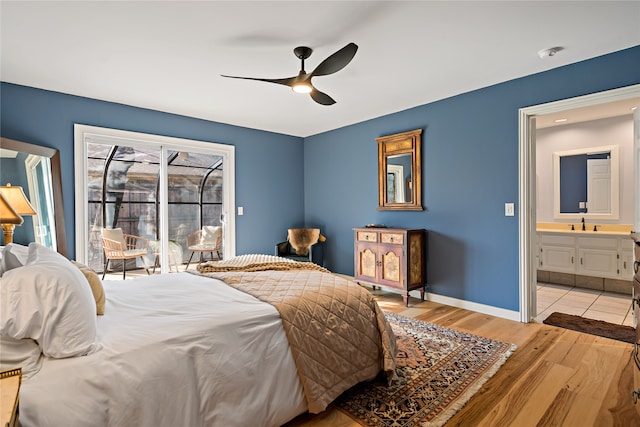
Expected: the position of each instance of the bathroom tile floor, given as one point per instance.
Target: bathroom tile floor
(608, 306)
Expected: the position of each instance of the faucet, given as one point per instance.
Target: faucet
(583, 225)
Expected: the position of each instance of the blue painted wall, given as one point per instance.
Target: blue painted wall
(265, 161)
(470, 170)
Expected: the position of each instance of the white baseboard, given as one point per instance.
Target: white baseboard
(473, 306)
(454, 302)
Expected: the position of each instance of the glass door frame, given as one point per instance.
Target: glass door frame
(165, 144)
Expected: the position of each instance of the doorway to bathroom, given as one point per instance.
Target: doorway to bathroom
(532, 120)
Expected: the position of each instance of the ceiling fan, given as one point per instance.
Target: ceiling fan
(302, 82)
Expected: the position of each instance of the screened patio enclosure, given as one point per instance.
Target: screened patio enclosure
(123, 191)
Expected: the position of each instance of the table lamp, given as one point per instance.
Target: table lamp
(13, 206)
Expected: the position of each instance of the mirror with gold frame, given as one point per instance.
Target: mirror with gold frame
(43, 188)
(400, 171)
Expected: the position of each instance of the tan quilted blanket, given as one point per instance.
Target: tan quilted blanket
(337, 333)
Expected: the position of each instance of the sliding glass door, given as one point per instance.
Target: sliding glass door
(156, 188)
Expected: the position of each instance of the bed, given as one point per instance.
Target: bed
(187, 349)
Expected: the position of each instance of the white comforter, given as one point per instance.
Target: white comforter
(176, 350)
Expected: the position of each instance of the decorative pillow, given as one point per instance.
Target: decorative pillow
(96, 286)
(23, 354)
(210, 234)
(115, 234)
(13, 256)
(48, 301)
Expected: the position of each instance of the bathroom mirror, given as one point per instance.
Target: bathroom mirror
(37, 170)
(399, 171)
(586, 183)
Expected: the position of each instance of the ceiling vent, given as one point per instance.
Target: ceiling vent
(544, 53)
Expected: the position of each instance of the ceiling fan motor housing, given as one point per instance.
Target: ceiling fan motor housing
(302, 52)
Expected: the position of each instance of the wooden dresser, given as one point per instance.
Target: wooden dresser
(393, 257)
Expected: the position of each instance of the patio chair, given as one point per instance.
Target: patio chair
(209, 239)
(120, 246)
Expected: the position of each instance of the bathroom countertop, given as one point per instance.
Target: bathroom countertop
(603, 229)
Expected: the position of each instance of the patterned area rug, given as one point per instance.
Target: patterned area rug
(439, 369)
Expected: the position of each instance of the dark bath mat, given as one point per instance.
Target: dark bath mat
(593, 327)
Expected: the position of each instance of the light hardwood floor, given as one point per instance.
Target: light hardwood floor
(556, 377)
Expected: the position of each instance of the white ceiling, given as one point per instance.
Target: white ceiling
(586, 114)
(168, 56)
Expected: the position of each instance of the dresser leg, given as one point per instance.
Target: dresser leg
(422, 291)
(405, 298)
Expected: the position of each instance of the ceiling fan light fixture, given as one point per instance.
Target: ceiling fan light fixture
(302, 82)
(302, 87)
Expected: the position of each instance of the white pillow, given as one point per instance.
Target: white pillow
(13, 256)
(48, 300)
(23, 354)
(210, 234)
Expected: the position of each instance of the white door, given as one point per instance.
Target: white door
(599, 186)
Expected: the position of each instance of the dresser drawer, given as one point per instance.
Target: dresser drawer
(393, 238)
(367, 236)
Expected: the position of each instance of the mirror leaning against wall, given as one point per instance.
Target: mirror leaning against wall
(36, 169)
(400, 171)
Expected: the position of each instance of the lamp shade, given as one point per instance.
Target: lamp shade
(16, 198)
(7, 214)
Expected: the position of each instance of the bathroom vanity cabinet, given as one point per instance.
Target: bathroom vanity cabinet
(393, 257)
(606, 255)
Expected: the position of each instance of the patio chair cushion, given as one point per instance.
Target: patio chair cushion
(210, 234)
(115, 234)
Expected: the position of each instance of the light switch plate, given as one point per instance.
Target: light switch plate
(240, 211)
(509, 209)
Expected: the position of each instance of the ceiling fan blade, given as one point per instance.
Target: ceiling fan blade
(321, 97)
(286, 81)
(337, 61)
